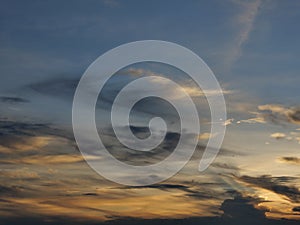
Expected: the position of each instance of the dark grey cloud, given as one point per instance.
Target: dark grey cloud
(58, 87)
(90, 194)
(7, 99)
(26, 143)
(64, 87)
(9, 128)
(236, 211)
(290, 159)
(134, 157)
(168, 145)
(225, 166)
(275, 184)
(240, 208)
(163, 186)
(294, 115)
(5, 190)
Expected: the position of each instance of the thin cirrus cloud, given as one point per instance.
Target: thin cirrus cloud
(244, 21)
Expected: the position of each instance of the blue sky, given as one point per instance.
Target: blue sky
(251, 46)
(54, 39)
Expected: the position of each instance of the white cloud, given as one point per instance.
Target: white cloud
(228, 122)
(278, 135)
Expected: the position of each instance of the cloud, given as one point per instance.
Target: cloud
(240, 208)
(258, 119)
(290, 159)
(24, 143)
(278, 195)
(16, 130)
(273, 184)
(244, 21)
(279, 112)
(192, 90)
(228, 122)
(23, 173)
(59, 87)
(204, 136)
(140, 72)
(276, 114)
(197, 92)
(278, 135)
(290, 137)
(5, 190)
(163, 186)
(74, 190)
(225, 166)
(7, 99)
(46, 159)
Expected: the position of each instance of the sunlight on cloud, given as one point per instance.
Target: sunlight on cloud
(278, 135)
(28, 143)
(276, 205)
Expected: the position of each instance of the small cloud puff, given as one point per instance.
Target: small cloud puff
(278, 135)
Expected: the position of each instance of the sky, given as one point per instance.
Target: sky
(253, 49)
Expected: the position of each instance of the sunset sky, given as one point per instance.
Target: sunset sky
(251, 46)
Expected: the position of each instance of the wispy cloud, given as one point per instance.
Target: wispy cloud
(8, 99)
(188, 86)
(274, 113)
(290, 159)
(244, 22)
(279, 112)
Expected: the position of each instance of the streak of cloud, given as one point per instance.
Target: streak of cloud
(290, 159)
(245, 21)
(274, 113)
